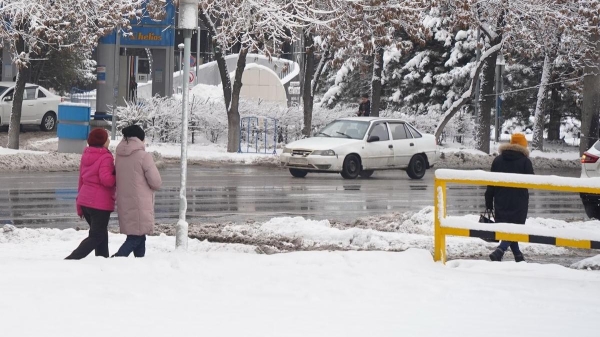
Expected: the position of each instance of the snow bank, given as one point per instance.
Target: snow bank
(592, 263)
(4, 151)
(392, 232)
(213, 153)
(462, 158)
(297, 294)
(39, 161)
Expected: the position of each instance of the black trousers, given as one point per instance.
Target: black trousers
(98, 237)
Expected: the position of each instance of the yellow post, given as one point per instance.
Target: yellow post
(439, 242)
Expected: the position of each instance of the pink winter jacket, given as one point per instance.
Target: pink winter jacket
(96, 180)
(137, 179)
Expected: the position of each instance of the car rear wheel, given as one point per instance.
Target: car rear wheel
(417, 167)
(48, 122)
(298, 173)
(366, 173)
(351, 168)
(591, 209)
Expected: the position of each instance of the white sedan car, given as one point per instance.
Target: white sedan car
(361, 145)
(40, 106)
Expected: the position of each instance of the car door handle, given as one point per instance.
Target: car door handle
(412, 144)
(391, 146)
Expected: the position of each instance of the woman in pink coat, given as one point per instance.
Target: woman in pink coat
(96, 194)
(137, 180)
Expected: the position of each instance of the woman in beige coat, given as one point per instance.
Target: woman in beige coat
(137, 180)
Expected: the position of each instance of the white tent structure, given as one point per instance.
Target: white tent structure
(262, 83)
(264, 78)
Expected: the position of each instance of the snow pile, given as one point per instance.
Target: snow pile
(296, 294)
(213, 153)
(4, 151)
(473, 159)
(48, 144)
(393, 232)
(592, 263)
(39, 161)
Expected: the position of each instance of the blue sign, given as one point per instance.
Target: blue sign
(144, 36)
(148, 32)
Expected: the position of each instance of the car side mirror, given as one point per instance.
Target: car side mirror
(7, 99)
(373, 139)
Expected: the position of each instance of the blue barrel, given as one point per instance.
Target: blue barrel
(73, 127)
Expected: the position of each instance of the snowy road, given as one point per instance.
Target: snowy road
(237, 194)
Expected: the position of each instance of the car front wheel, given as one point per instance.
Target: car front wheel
(48, 122)
(298, 173)
(351, 168)
(417, 167)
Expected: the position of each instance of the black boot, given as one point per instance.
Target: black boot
(497, 255)
(519, 257)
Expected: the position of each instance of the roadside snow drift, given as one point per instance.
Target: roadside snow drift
(224, 290)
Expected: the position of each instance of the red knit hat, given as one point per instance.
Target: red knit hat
(97, 137)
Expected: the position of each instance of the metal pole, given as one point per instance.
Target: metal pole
(180, 59)
(182, 225)
(113, 121)
(496, 115)
(500, 97)
(198, 40)
(478, 83)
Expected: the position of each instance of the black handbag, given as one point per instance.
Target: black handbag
(487, 217)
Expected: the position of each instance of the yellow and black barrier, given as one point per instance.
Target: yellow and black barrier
(482, 178)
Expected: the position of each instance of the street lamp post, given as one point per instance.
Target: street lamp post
(188, 21)
(499, 90)
(181, 46)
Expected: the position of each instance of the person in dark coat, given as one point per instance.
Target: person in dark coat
(510, 205)
(364, 108)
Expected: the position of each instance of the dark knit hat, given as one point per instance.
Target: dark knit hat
(97, 138)
(134, 131)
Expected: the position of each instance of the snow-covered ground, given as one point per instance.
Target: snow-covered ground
(215, 153)
(228, 290)
(391, 232)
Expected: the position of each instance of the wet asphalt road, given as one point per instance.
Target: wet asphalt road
(234, 193)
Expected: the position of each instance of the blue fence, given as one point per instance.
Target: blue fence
(258, 135)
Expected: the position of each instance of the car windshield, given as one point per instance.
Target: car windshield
(3, 90)
(345, 129)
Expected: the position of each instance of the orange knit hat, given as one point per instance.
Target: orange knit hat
(518, 139)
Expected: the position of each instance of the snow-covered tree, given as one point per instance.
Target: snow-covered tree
(429, 78)
(32, 27)
(589, 13)
(247, 26)
(370, 27)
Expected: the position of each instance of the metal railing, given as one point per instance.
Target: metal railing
(444, 226)
(77, 95)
